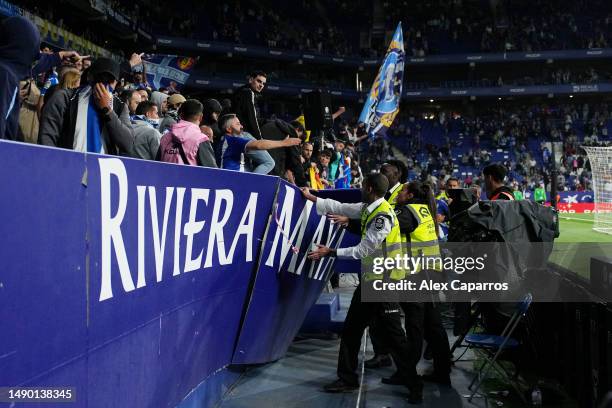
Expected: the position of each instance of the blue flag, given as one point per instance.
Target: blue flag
(344, 173)
(382, 104)
(170, 71)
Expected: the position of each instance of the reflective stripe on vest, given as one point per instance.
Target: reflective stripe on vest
(424, 239)
(393, 203)
(393, 197)
(390, 247)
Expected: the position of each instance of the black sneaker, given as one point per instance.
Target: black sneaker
(438, 379)
(379, 361)
(340, 386)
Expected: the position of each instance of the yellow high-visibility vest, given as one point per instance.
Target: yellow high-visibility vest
(424, 239)
(393, 203)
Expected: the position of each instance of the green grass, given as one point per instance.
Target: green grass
(578, 242)
(579, 228)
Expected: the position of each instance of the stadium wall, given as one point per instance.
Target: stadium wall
(139, 283)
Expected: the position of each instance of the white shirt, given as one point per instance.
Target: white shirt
(375, 235)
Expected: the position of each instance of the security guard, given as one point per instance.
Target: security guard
(379, 231)
(392, 173)
(382, 357)
(415, 208)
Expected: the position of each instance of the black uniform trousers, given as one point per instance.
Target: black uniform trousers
(422, 321)
(359, 316)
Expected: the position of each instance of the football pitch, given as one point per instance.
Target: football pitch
(577, 243)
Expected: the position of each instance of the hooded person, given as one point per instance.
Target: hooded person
(172, 115)
(19, 48)
(91, 118)
(161, 100)
(185, 143)
(212, 110)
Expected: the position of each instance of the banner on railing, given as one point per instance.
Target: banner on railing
(117, 269)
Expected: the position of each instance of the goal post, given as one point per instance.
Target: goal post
(601, 169)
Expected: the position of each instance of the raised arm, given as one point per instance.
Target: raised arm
(264, 144)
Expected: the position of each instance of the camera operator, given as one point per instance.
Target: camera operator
(494, 175)
(89, 119)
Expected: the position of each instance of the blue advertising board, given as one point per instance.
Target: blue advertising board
(287, 283)
(43, 302)
(175, 254)
(138, 283)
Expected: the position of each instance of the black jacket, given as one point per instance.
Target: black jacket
(284, 158)
(19, 42)
(503, 193)
(245, 106)
(218, 137)
(58, 123)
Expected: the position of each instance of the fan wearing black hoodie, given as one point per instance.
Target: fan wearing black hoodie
(19, 47)
(245, 104)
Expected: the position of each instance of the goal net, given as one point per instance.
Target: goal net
(601, 167)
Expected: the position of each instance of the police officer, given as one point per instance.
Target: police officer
(379, 231)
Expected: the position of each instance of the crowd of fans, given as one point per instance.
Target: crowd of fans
(437, 26)
(68, 101)
(526, 134)
(103, 106)
(556, 76)
(431, 27)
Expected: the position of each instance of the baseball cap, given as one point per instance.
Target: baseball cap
(176, 98)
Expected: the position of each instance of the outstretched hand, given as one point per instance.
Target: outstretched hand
(292, 141)
(319, 253)
(308, 195)
(71, 56)
(136, 59)
(341, 220)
